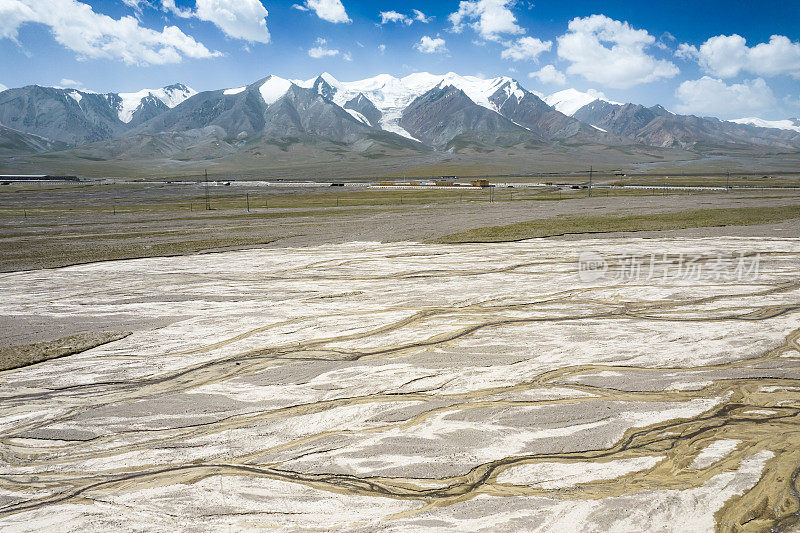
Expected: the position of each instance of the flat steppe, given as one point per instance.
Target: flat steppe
(48, 225)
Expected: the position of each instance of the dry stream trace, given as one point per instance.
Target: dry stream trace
(401, 387)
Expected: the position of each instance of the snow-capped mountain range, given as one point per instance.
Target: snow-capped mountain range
(441, 112)
(392, 95)
(126, 104)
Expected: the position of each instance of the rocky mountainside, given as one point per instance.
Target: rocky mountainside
(446, 112)
(60, 114)
(531, 112)
(365, 108)
(79, 117)
(270, 107)
(14, 142)
(655, 126)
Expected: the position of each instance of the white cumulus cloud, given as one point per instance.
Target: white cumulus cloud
(712, 96)
(686, 51)
(610, 52)
(419, 16)
(431, 45)
(322, 50)
(490, 18)
(728, 55)
(78, 27)
(549, 74)
(394, 16)
(70, 83)
(239, 19)
(330, 10)
(526, 48)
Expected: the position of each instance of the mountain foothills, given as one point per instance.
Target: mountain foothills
(421, 117)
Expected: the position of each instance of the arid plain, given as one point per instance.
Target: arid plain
(364, 367)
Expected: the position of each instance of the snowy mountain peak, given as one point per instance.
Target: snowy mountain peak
(569, 101)
(326, 86)
(329, 79)
(512, 89)
(388, 90)
(659, 108)
(481, 90)
(171, 96)
(273, 88)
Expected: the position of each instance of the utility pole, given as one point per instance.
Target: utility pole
(247, 196)
(208, 201)
(591, 171)
(728, 181)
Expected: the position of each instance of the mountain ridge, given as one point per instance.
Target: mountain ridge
(379, 116)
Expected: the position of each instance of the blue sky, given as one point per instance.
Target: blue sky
(722, 58)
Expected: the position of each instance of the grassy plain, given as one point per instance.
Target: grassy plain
(696, 218)
(48, 225)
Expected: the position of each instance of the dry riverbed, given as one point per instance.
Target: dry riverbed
(401, 386)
